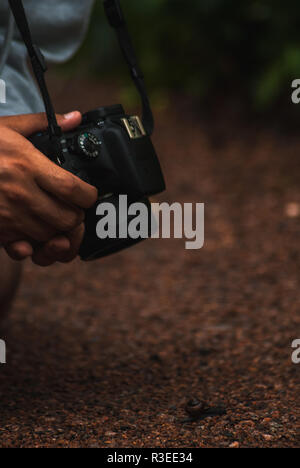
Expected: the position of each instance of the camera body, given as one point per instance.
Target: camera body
(111, 151)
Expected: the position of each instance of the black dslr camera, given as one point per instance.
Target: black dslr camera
(109, 150)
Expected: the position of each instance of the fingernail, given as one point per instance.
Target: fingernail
(70, 115)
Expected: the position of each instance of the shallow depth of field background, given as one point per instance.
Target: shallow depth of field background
(206, 49)
(108, 354)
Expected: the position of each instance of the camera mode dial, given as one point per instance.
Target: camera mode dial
(88, 145)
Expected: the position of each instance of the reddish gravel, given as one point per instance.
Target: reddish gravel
(108, 354)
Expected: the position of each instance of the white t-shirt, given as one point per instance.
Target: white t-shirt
(58, 28)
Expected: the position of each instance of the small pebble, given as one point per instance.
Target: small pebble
(292, 210)
(266, 420)
(234, 445)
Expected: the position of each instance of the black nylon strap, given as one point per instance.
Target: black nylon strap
(117, 21)
(38, 64)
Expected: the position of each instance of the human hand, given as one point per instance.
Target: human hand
(41, 205)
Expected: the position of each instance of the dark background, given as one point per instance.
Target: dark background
(210, 50)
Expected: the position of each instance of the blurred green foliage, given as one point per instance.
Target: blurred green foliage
(205, 47)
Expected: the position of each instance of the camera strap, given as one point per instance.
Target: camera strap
(38, 64)
(117, 20)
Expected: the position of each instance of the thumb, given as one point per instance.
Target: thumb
(69, 121)
(29, 124)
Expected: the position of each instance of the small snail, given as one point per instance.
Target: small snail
(196, 408)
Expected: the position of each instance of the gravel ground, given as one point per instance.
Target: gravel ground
(108, 354)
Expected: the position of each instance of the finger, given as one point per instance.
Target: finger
(29, 124)
(32, 228)
(19, 250)
(69, 121)
(66, 186)
(75, 237)
(55, 213)
(52, 251)
(59, 245)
